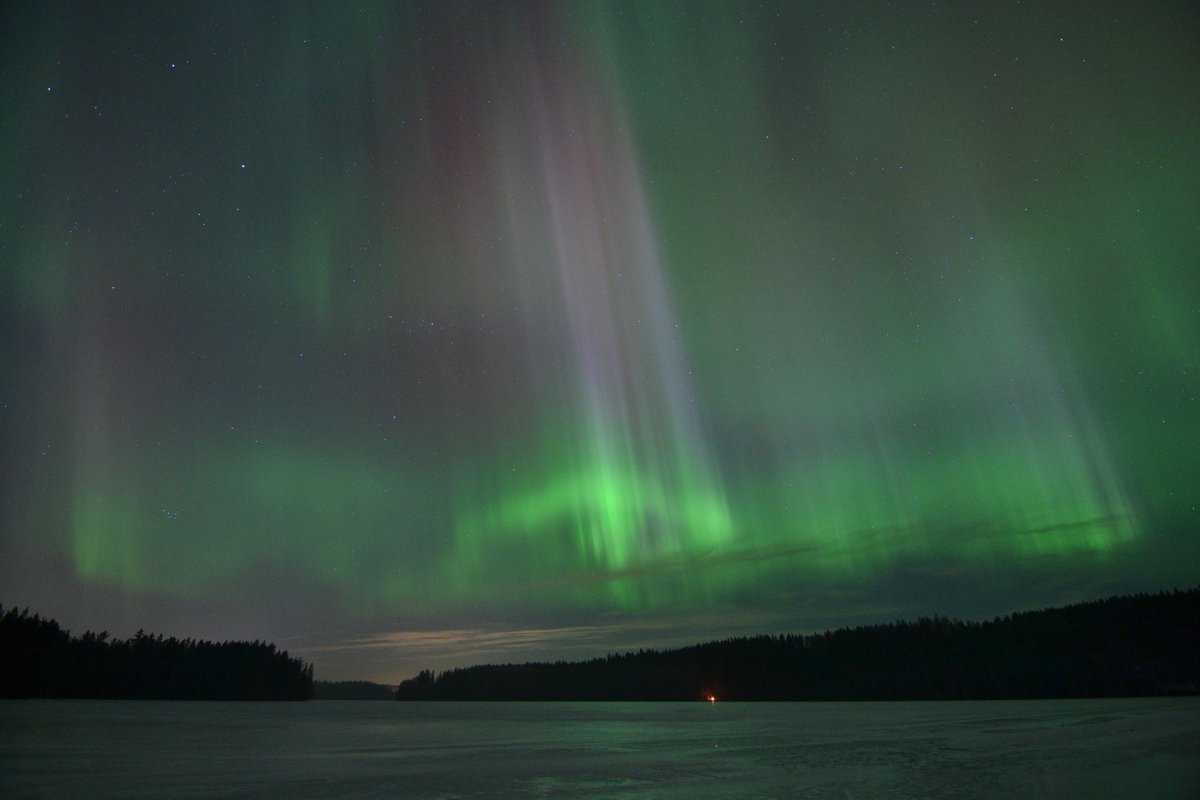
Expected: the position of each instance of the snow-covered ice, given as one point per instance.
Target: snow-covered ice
(1126, 748)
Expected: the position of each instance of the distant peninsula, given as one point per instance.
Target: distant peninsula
(1137, 645)
(352, 690)
(38, 659)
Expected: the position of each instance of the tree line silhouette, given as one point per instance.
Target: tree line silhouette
(40, 659)
(1138, 645)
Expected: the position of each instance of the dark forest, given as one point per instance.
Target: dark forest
(1139, 645)
(40, 659)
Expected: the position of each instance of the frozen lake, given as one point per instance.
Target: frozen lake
(1027, 749)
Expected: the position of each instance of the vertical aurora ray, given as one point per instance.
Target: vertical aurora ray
(624, 469)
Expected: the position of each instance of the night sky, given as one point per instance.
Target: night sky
(420, 335)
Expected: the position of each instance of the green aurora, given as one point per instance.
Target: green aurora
(382, 331)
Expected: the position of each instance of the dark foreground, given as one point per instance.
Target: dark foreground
(1140, 749)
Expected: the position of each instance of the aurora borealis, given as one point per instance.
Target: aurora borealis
(419, 334)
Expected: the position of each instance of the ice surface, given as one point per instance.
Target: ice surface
(1129, 748)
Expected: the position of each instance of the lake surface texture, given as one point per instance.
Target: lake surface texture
(1019, 749)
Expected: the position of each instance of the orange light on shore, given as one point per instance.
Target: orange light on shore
(710, 697)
